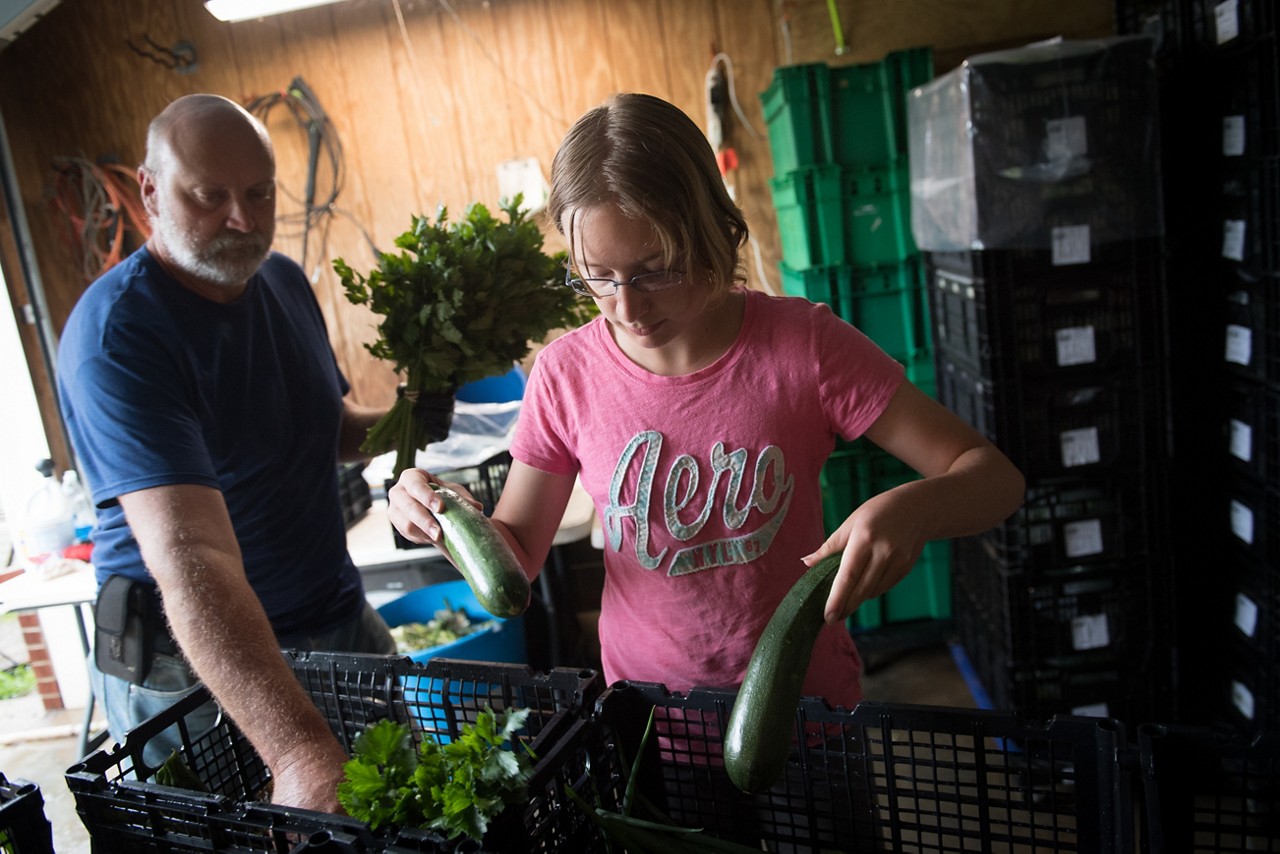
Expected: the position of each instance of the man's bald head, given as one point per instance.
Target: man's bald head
(199, 120)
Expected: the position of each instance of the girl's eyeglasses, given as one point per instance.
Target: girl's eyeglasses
(646, 283)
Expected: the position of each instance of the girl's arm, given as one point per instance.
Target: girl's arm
(968, 486)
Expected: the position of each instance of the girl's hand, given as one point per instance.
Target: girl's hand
(881, 541)
(412, 504)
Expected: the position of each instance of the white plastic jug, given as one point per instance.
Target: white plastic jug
(47, 525)
(83, 517)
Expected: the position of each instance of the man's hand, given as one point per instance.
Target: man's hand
(308, 778)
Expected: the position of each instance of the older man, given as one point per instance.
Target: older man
(208, 414)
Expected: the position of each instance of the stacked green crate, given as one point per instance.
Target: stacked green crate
(841, 191)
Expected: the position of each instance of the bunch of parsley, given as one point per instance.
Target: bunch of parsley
(455, 788)
(461, 301)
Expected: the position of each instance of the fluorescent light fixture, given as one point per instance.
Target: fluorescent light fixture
(244, 10)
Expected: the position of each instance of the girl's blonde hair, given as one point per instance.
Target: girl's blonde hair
(649, 159)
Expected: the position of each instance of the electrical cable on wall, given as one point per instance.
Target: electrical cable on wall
(317, 214)
(721, 95)
(101, 204)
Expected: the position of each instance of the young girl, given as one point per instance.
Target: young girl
(699, 413)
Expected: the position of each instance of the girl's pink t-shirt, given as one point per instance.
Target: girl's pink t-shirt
(707, 484)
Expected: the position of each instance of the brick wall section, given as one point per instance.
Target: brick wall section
(41, 664)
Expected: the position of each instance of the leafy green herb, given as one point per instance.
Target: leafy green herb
(176, 773)
(456, 788)
(461, 301)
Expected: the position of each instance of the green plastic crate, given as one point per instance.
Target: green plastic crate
(852, 115)
(854, 473)
(877, 216)
(797, 113)
(810, 207)
(888, 303)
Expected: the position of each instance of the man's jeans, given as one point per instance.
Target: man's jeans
(171, 679)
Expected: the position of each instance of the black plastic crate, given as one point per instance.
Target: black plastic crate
(1250, 215)
(1246, 689)
(1251, 338)
(887, 777)
(124, 809)
(484, 481)
(1117, 516)
(1251, 430)
(1136, 687)
(1224, 26)
(1166, 22)
(353, 492)
(23, 826)
(1085, 615)
(1246, 85)
(1252, 517)
(1208, 789)
(1053, 321)
(1062, 429)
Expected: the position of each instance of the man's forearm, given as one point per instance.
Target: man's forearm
(222, 630)
(356, 421)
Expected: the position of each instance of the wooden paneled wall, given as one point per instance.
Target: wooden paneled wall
(428, 96)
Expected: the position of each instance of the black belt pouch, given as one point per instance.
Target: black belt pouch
(125, 618)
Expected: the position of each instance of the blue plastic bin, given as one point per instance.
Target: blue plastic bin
(503, 642)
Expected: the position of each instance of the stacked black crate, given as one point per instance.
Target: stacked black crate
(1036, 197)
(1237, 54)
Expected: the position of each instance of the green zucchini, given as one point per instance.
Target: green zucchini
(483, 556)
(758, 738)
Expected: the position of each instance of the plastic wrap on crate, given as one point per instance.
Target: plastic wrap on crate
(887, 777)
(24, 829)
(1208, 789)
(1054, 145)
(123, 808)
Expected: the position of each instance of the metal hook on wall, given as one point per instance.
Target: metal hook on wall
(180, 58)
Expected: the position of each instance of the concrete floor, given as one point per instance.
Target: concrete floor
(907, 664)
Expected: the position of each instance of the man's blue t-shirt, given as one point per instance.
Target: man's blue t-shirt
(160, 386)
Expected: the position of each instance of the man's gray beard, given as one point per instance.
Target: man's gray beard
(228, 259)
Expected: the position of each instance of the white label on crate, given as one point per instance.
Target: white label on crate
(1076, 346)
(1233, 240)
(1242, 699)
(1239, 344)
(1080, 447)
(1070, 245)
(1241, 440)
(1232, 136)
(1090, 632)
(1246, 615)
(1242, 520)
(1083, 538)
(1066, 139)
(1226, 20)
(1092, 710)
